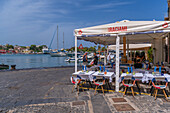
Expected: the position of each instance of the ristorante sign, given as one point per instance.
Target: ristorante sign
(117, 29)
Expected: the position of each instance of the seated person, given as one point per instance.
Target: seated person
(138, 63)
(138, 59)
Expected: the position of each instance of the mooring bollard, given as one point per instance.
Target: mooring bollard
(13, 67)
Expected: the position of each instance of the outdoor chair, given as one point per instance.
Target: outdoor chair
(77, 82)
(128, 85)
(99, 82)
(156, 82)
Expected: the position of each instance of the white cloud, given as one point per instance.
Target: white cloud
(29, 21)
(106, 5)
(20, 10)
(25, 22)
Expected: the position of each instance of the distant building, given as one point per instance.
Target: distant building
(167, 46)
(37, 45)
(45, 51)
(27, 47)
(2, 51)
(3, 47)
(27, 51)
(11, 51)
(7, 45)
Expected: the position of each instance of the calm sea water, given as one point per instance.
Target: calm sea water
(33, 61)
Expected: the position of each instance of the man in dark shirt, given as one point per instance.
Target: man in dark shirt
(95, 59)
(85, 62)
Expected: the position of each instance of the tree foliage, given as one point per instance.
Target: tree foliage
(85, 49)
(24, 47)
(10, 47)
(33, 47)
(103, 49)
(150, 55)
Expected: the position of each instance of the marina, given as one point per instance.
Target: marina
(33, 61)
(24, 61)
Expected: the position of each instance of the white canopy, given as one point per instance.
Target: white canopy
(135, 31)
(131, 46)
(109, 34)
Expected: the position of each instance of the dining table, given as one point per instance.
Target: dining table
(85, 75)
(107, 75)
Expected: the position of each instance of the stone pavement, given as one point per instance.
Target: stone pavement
(49, 91)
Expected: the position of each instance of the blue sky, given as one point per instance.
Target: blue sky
(26, 22)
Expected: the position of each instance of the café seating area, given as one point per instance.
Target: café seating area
(153, 81)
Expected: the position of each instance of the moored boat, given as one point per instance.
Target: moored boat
(58, 54)
(45, 51)
(72, 54)
(72, 59)
(2, 66)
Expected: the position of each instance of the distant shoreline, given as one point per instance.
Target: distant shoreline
(24, 54)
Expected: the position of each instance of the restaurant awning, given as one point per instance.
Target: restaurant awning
(135, 31)
(109, 34)
(131, 47)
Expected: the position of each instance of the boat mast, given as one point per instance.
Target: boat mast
(53, 38)
(63, 40)
(57, 37)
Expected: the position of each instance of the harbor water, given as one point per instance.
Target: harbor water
(33, 61)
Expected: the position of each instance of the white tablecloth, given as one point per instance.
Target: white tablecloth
(137, 76)
(167, 69)
(148, 77)
(109, 75)
(84, 75)
(145, 77)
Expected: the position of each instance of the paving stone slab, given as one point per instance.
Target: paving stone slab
(123, 107)
(118, 100)
(78, 103)
(99, 104)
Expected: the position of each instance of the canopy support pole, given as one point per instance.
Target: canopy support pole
(124, 50)
(107, 54)
(134, 55)
(117, 63)
(75, 53)
(161, 59)
(131, 55)
(127, 50)
(146, 53)
(154, 52)
(105, 62)
(168, 47)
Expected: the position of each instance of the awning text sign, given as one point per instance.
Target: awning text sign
(117, 29)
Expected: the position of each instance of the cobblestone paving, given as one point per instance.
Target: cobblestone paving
(49, 91)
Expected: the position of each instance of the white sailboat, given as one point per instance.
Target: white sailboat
(59, 53)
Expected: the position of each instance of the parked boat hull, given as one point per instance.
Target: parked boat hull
(2, 66)
(73, 60)
(57, 54)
